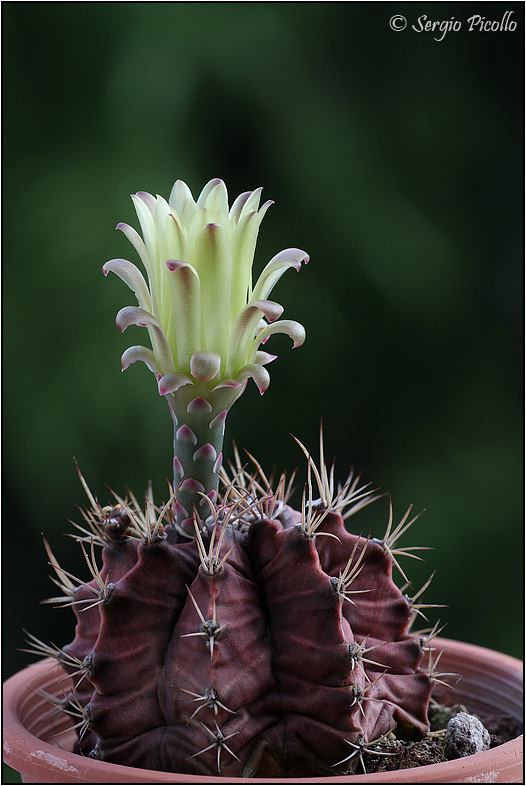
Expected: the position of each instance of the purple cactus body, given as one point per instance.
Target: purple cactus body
(252, 662)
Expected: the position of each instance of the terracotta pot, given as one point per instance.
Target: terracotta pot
(490, 680)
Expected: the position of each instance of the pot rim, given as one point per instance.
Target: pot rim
(24, 751)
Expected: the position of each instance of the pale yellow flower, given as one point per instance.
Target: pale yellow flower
(205, 319)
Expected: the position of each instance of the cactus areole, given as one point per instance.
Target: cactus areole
(225, 632)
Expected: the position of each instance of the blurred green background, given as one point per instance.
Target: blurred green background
(395, 160)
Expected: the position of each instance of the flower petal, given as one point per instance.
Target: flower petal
(226, 383)
(169, 383)
(175, 238)
(149, 200)
(161, 213)
(205, 365)
(243, 248)
(133, 354)
(244, 330)
(287, 326)
(137, 242)
(212, 248)
(196, 297)
(252, 202)
(259, 374)
(238, 204)
(206, 190)
(149, 234)
(132, 277)
(185, 328)
(146, 220)
(216, 199)
(290, 257)
(131, 315)
(263, 358)
(200, 219)
(182, 201)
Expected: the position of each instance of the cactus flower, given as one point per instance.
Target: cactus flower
(206, 321)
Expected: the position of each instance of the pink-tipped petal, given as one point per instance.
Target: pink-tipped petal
(259, 374)
(265, 206)
(212, 185)
(268, 308)
(147, 222)
(182, 201)
(175, 264)
(148, 200)
(218, 463)
(185, 290)
(238, 204)
(169, 383)
(252, 203)
(137, 242)
(133, 354)
(216, 198)
(226, 383)
(214, 252)
(287, 326)
(290, 257)
(263, 358)
(293, 257)
(132, 315)
(205, 365)
(132, 277)
(246, 327)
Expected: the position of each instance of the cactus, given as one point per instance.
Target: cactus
(226, 632)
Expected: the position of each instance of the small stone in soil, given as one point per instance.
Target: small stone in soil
(465, 735)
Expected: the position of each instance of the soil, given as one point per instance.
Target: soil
(394, 754)
(391, 753)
